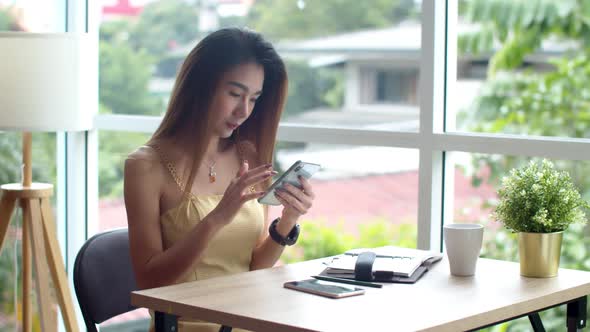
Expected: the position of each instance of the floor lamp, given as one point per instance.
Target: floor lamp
(43, 87)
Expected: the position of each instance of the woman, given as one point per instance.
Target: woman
(191, 192)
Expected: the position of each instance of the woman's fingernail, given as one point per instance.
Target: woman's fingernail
(274, 172)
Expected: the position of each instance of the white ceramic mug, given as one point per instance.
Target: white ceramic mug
(463, 244)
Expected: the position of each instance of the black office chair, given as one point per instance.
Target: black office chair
(103, 277)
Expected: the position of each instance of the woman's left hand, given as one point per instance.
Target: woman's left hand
(296, 201)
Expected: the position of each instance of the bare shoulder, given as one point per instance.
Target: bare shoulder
(143, 161)
(144, 152)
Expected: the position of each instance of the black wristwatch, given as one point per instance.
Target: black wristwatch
(278, 238)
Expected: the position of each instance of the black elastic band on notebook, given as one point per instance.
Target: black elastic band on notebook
(363, 268)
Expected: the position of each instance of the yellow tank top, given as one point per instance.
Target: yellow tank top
(228, 252)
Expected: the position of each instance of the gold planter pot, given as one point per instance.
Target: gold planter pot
(539, 254)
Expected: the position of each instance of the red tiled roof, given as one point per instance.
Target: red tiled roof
(122, 8)
(348, 202)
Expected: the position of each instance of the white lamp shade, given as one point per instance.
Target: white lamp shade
(46, 81)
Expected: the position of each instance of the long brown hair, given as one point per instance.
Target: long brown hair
(199, 77)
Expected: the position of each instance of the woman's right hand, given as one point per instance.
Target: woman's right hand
(240, 190)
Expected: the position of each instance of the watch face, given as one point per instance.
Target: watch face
(293, 235)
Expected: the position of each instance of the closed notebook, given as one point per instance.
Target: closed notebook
(402, 262)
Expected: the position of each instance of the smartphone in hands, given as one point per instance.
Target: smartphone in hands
(291, 176)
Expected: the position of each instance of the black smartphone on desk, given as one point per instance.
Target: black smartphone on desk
(291, 176)
(324, 288)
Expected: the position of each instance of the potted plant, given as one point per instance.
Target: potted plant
(539, 202)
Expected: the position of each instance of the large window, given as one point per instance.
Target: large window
(519, 75)
(338, 64)
(366, 196)
(341, 75)
(419, 105)
(420, 76)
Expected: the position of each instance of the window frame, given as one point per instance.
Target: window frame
(78, 203)
(436, 137)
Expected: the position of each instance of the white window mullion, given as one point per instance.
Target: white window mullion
(93, 14)
(518, 145)
(286, 132)
(430, 199)
(76, 198)
(450, 116)
(77, 203)
(348, 136)
(564, 148)
(91, 183)
(432, 86)
(61, 191)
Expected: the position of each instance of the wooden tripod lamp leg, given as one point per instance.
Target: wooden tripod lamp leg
(33, 213)
(56, 266)
(26, 245)
(6, 208)
(26, 269)
(39, 232)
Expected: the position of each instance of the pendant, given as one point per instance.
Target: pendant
(212, 175)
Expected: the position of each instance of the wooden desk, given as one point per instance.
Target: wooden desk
(257, 300)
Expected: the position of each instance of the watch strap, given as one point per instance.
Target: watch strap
(289, 240)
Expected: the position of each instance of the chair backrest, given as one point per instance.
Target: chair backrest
(103, 277)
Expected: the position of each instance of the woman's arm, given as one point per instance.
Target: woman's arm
(296, 203)
(153, 265)
(267, 251)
